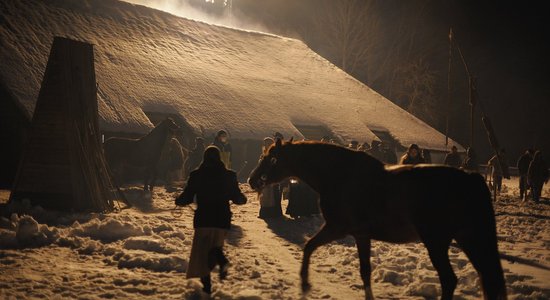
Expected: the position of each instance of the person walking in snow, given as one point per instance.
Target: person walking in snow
(523, 167)
(412, 157)
(214, 186)
(221, 140)
(537, 175)
(453, 158)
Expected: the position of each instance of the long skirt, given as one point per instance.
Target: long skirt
(204, 240)
(270, 202)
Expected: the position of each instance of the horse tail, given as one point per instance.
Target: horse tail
(479, 240)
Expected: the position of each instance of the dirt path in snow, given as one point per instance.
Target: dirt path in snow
(268, 255)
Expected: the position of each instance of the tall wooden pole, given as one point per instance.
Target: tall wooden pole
(472, 108)
(449, 87)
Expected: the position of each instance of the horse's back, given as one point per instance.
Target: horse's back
(443, 194)
(425, 196)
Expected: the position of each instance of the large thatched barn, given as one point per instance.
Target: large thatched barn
(151, 64)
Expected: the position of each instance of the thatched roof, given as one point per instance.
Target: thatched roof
(249, 83)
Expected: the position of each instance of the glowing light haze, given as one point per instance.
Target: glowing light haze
(183, 9)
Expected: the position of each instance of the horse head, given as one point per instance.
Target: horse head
(171, 127)
(272, 167)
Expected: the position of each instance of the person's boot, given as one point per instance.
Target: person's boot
(223, 262)
(223, 270)
(206, 284)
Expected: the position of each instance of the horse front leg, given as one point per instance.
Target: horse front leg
(148, 182)
(326, 235)
(363, 248)
(153, 179)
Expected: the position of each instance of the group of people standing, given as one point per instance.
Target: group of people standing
(381, 151)
(415, 155)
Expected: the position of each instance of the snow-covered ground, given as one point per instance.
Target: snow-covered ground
(142, 252)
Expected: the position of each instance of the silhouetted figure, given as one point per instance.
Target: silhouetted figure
(303, 201)
(389, 155)
(523, 167)
(376, 152)
(270, 196)
(412, 157)
(353, 145)
(470, 162)
(453, 158)
(214, 186)
(195, 156)
(222, 142)
(427, 155)
(278, 135)
(496, 169)
(537, 175)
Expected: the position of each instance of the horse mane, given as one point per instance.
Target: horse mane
(160, 126)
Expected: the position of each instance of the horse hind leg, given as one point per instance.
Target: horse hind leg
(324, 236)
(363, 248)
(438, 250)
(484, 256)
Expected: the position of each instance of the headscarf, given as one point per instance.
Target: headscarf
(212, 158)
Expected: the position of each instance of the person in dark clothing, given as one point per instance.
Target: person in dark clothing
(537, 175)
(427, 156)
(376, 152)
(270, 197)
(497, 171)
(214, 186)
(389, 156)
(412, 157)
(523, 167)
(221, 140)
(195, 155)
(453, 158)
(470, 162)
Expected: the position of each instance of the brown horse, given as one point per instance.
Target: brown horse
(171, 165)
(143, 153)
(360, 197)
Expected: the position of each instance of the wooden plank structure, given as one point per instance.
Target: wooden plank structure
(63, 166)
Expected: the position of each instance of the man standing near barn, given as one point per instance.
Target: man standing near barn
(222, 142)
(523, 167)
(453, 158)
(496, 165)
(537, 175)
